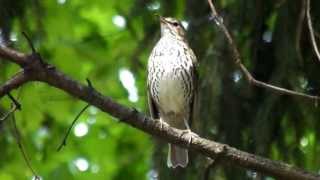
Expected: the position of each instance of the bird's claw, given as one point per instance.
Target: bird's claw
(190, 135)
(162, 123)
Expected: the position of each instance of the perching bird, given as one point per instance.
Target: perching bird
(172, 83)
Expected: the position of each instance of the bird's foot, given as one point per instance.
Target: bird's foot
(163, 123)
(190, 135)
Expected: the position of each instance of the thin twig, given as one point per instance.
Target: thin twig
(35, 54)
(64, 140)
(15, 106)
(15, 131)
(12, 110)
(89, 83)
(15, 102)
(17, 135)
(29, 42)
(245, 71)
(311, 31)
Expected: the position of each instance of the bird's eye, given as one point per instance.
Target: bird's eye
(175, 24)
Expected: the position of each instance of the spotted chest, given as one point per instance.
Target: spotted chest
(170, 76)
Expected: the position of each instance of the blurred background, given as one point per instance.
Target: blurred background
(109, 42)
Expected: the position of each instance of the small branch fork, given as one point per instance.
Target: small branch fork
(36, 70)
(15, 106)
(64, 140)
(17, 135)
(245, 71)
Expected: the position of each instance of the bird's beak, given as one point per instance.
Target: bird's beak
(162, 19)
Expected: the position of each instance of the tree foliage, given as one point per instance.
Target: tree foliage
(109, 43)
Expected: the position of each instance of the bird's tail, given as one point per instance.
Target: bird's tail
(177, 157)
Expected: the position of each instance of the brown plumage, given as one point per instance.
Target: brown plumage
(172, 83)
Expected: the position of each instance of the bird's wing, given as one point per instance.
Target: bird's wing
(194, 100)
(154, 113)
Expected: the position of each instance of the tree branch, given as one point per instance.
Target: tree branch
(16, 133)
(14, 56)
(212, 149)
(15, 106)
(310, 27)
(16, 81)
(245, 71)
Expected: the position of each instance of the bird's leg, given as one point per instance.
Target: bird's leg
(189, 132)
(162, 123)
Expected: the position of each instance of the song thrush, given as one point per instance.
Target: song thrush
(172, 83)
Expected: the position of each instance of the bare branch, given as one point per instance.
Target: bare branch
(227, 154)
(16, 81)
(46, 73)
(310, 27)
(284, 91)
(247, 74)
(13, 56)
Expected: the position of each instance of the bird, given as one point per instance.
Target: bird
(172, 84)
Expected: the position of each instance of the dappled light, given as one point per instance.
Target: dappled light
(119, 21)
(128, 81)
(82, 66)
(81, 129)
(82, 164)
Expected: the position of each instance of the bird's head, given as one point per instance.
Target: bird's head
(171, 26)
